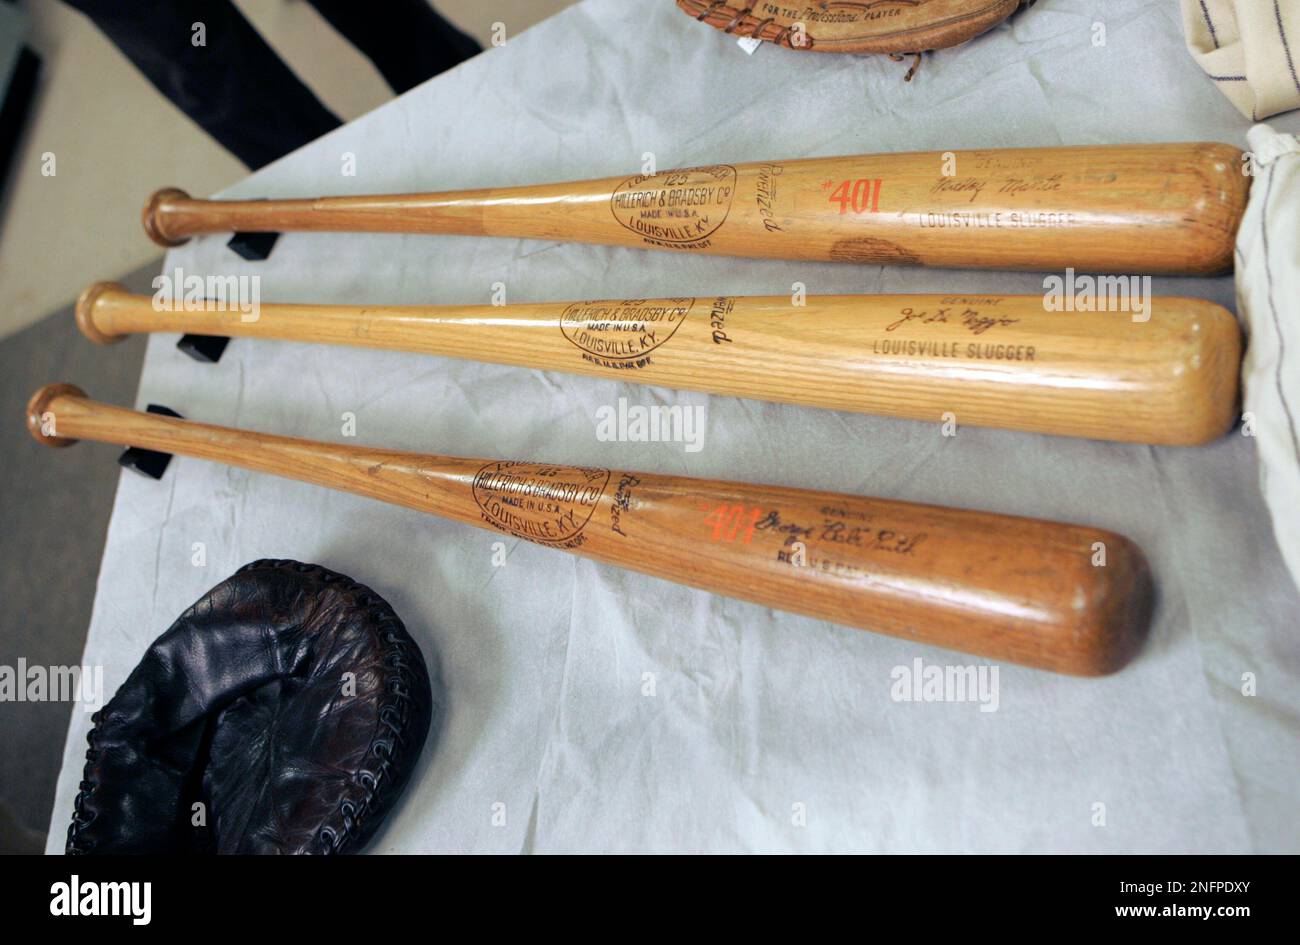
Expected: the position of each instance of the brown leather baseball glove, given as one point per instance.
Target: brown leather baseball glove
(866, 26)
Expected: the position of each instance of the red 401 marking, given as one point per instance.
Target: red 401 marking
(733, 521)
(860, 196)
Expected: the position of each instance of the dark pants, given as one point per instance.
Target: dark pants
(239, 91)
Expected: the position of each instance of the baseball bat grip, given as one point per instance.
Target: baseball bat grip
(1061, 597)
(172, 216)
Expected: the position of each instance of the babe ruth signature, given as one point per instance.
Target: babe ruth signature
(837, 531)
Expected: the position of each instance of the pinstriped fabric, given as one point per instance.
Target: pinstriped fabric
(1251, 48)
(1268, 300)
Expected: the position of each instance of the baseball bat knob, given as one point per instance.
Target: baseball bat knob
(39, 413)
(86, 305)
(152, 216)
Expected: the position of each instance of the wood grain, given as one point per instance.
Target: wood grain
(900, 26)
(1001, 587)
(994, 361)
(1156, 208)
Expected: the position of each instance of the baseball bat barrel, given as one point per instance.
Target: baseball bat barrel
(995, 361)
(1062, 597)
(1153, 208)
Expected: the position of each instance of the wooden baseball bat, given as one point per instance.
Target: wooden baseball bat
(1152, 208)
(996, 361)
(1062, 597)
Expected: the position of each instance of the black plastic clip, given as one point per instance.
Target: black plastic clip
(151, 463)
(254, 247)
(205, 348)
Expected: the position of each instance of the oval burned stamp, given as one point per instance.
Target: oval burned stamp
(540, 502)
(677, 209)
(621, 334)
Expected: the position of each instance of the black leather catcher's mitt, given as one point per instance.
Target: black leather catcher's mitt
(289, 702)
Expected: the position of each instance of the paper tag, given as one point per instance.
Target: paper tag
(749, 44)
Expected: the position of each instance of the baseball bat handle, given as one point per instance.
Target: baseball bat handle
(1165, 376)
(1155, 208)
(1061, 597)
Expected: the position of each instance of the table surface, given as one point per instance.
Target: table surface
(589, 708)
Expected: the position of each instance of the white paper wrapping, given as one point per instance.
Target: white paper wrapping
(592, 709)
